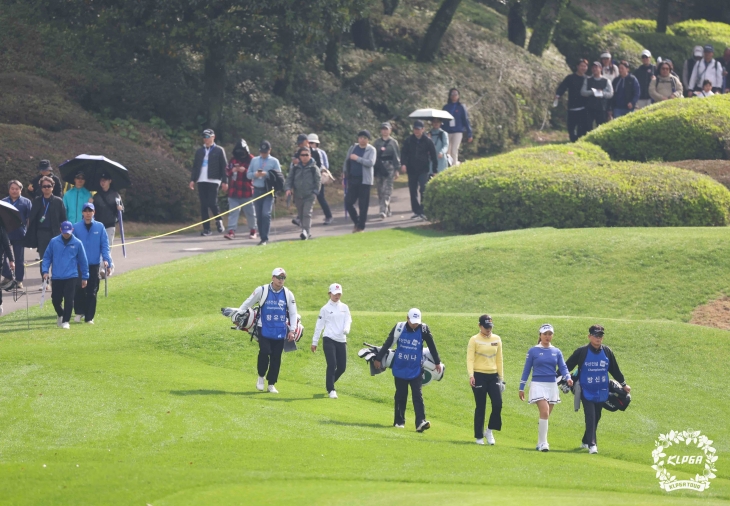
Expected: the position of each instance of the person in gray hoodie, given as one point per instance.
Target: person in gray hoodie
(358, 172)
(304, 180)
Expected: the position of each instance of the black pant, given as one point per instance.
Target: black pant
(335, 353)
(592, 411)
(324, 205)
(487, 384)
(357, 192)
(85, 299)
(270, 348)
(401, 399)
(208, 193)
(44, 236)
(577, 124)
(417, 184)
(19, 254)
(597, 116)
(63, 296)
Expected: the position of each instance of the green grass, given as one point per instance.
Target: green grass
(156, 403)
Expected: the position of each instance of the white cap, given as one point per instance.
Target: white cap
(278, 272)
(313, 138)
(698, 51)
(547, 328)
(606, 55)
(414, 315)
(335, 288)
(646, 52)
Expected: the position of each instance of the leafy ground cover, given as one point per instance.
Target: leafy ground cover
(156, 403)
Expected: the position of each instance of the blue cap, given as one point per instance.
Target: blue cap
(67, 227)
(87, 205)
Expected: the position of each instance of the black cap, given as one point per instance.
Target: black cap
(364, 133)
(709, 49)
(302, 138)
(44, 165)
(387, 125)
(265, 146)
(596, 330)
(80, 174)
(104, 175)
(208, 132)
(418, 124)
(486, 321)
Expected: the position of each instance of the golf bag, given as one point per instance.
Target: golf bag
(428, 367)
(618, 399)
(247, 321)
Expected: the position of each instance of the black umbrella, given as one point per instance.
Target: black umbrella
(93, 167)
(9, 216)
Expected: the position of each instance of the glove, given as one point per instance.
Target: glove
(502, 386)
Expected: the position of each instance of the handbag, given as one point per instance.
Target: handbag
(327, 177)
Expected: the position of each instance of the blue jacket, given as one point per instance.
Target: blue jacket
(23, 205)
(67, 259)
(74, 200)
(95, 241)
(460, 122)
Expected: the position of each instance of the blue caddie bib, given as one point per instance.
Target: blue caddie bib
(594, 376)
(408, 355)
(273, 316)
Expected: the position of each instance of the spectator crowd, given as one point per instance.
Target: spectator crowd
(605, 90)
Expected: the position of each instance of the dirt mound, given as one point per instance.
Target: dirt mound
(715, 314)
(719, 170)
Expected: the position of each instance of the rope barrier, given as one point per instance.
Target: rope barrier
(181, 229)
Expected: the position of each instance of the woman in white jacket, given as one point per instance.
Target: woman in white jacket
(335, 320)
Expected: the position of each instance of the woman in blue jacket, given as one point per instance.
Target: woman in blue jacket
(542, 360)
(457, 127)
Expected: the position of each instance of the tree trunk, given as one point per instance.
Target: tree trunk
(362, 34)
(436, 30)
(532, 9)
(389, 6)
(516, 29)
(214, 86)
(332, 56)
(543, 31)
(663, 18)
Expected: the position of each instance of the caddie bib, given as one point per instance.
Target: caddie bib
(594, 376)
(273, 315)
(408, 355)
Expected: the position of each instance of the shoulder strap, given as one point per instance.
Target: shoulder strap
(398, 329)
(264, 294)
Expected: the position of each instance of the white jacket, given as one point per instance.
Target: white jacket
(335, 320)
(703, 70)
(259, 296)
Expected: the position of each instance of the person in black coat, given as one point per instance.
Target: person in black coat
(44, 169)
(418, 155)
(209, 171)
(577, 115)
(46, 216)
(6, 252)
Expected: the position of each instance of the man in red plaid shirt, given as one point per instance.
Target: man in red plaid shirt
(240, 190)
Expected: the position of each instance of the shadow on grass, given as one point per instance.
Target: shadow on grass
(263, 396)
(532, 450)
(429, 231)
(356, 424)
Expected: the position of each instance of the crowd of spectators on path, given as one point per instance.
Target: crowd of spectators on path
(611, 89)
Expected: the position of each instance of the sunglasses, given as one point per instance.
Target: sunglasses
(80, 178)
(597, 337)
(206, 137)
(87, 211)
(307, 155)
(281, 277)
(46, 186)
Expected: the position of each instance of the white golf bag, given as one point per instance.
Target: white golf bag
(247, 320)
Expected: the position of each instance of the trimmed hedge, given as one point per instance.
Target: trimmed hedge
(159, 190)
(681, 129)
(634, 26)
(544, 187)
(701, 29)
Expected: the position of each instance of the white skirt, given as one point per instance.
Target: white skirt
(543, 391)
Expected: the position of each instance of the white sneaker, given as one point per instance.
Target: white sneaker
(544, 447)
(584, 446)
(260, 384)
(333, 395)
(78, 318)
(480, 441)
(273, 390)
(1, 309)
(424, 425)
(399, 426)
(65, 326)
(90, 322)
(490, 437)
(59, 321)
(593, 449)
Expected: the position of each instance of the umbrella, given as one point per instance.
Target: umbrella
(429, 114)
(93, 167)
(9, 216)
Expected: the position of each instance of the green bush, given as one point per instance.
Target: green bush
(701, 29)
(159, 190)
(680, 129)
(629, 26)
(676, 48)
(566, 188)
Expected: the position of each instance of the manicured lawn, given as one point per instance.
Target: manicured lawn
(156, 404)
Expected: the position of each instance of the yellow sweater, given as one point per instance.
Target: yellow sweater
(484, 355)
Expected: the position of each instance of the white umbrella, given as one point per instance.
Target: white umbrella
(429, 114)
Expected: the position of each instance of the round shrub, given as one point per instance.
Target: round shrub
(701, 29)
(680, 129)
(527, 188)
(676, 48)
(634, 26)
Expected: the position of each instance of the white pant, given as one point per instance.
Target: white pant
(454, 143)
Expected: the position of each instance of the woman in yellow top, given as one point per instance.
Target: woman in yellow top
(486, 377)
